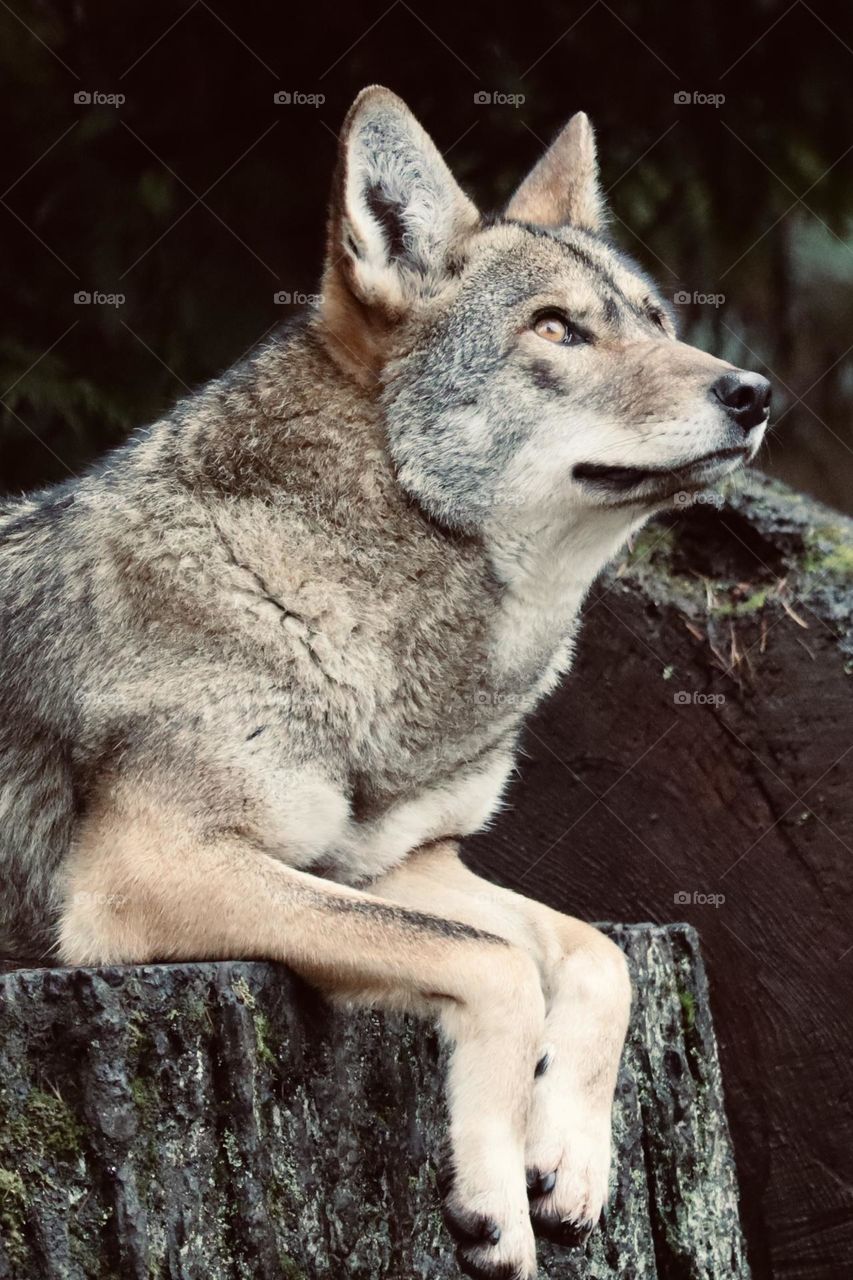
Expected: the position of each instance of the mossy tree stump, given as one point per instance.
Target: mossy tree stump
(213, 1121)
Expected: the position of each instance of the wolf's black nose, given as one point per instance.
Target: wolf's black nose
(745, 396)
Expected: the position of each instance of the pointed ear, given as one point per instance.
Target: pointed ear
(397, 213)
(563, 188)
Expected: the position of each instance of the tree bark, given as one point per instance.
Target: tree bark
(213, 1121)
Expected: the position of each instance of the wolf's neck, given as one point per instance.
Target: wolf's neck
(546, 570)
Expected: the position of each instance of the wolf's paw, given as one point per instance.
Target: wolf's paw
(493, 1236)
(567, 1181)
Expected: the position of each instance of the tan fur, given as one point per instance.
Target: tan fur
(587, 993)
(142, 886)
(354, 335)
(525, 981)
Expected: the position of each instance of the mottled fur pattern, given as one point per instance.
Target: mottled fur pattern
(264, 664)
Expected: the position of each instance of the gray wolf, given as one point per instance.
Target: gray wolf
(268, 663)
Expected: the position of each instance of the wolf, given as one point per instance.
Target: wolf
(268, 663)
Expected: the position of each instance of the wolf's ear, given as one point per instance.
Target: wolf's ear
(397, 212)
(563, 188)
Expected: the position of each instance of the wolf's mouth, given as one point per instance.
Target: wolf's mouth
(624, 478)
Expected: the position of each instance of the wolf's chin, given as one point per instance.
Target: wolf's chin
(656, 484)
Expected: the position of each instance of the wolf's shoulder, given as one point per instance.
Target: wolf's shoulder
(32, 520)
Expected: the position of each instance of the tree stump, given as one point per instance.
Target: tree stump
(219, 1121)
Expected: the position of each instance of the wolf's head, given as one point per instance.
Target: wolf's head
(525, 363)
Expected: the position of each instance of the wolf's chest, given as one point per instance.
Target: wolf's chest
(365, 847)
(439, 767)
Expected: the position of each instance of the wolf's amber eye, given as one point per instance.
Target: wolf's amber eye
(551, 327)
(555, 328)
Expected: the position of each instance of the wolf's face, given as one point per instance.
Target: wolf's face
(527, 365)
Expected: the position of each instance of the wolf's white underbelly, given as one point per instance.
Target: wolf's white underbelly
(321, 829)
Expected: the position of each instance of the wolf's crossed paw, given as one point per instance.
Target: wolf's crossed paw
(491, 1244)
(567, 1193)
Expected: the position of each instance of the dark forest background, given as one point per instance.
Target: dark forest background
(199, 198)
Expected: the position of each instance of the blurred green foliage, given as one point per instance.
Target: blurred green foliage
(199, 197)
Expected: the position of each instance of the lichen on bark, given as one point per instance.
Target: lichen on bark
(217, 1121)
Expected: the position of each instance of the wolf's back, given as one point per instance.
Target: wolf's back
(36, 791)
(36, 819)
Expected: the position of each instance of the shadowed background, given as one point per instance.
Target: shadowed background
(191, 214)
(199, 198)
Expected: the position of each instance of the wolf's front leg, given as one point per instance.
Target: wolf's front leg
(568, 1136)
(585, 982)
(143, 885)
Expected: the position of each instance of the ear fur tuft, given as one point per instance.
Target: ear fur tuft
(397, 212)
